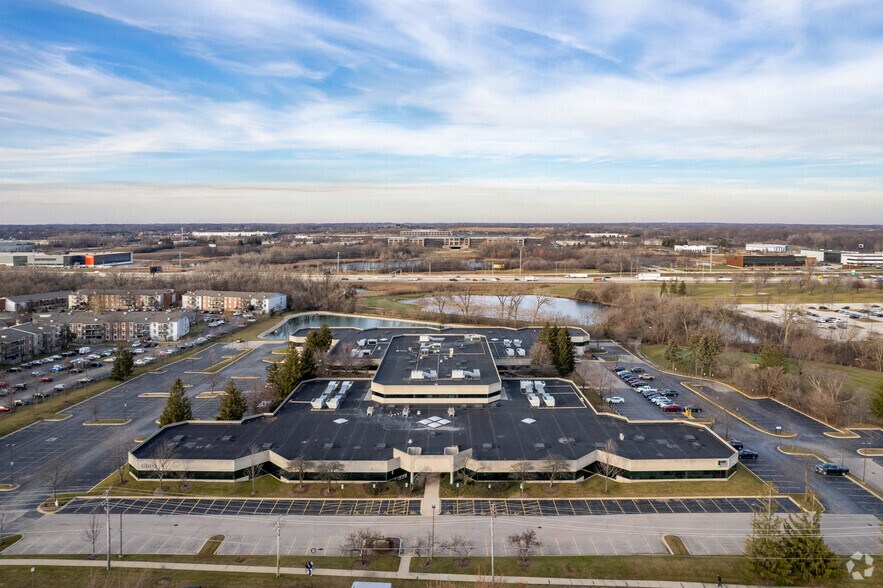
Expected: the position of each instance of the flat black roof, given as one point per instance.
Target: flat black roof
(447, 357)
(508, 430)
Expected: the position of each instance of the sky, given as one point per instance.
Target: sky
(441, 111)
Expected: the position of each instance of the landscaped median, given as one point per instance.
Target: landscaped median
(264, 487)
(222, 364)
(742, 484)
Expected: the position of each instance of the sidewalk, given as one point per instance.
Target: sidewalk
(431, 497)
(298, 571)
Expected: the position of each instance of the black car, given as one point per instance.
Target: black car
(668, 392)
(737, 444)
(693, 408)
(637, 370)
(747, 454)
(14, 369)
(831, 469)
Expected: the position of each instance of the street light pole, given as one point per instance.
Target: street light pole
(493, 516)
(432, 537)
(11, 465)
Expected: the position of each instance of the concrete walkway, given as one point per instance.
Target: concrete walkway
(431, 497)
(299, 571)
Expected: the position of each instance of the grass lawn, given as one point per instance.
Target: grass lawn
(99, 578)
(25, 415)
(742, 483)
(265, 487)
(222, 364)
(858, 377)
(8, 540)
(97, 422)
(733, 569)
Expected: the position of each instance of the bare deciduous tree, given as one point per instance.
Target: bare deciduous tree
(360, 543)
(329, 471)
(607, 469)
(522, 469)
(554, 466)
(460, 546)
(161, 461)
(57, 474)
(300, 465)
(525, 542)
(92, 532)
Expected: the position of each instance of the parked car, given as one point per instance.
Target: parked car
(39, 395)
(672, 408)
(59, 387)
(14, 370)
(831, 469)
(86, 380)
(669, 392)
(737, 444)
(4, 408)
(747, 454)
(646, 377)
(637, 370)
(4, 384)
(21, 386)
(693, 408)
(36, 373)
(46, 379)
(614, 400)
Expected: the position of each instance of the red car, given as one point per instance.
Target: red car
(672, 408)
(4, 408)
(4, 384)
(46, 379)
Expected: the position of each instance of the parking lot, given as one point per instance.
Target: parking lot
(245, 506)
(587, 507)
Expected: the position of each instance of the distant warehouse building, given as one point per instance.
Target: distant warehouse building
(66, 259)
(766, 248)
(15, 246)
(214, 301)
(821, 255)
(765, 260)
(696, 248)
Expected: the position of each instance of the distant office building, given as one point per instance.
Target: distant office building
(15, 246)
(821, 255)
(66, 259)
(765, 260)
(425, 233)
(214, 301)
(606, 235)
(36, 302)
(860, 259)
(121, 299)
(231, 234)
(696, 248)
(766, 248)
(450, 241)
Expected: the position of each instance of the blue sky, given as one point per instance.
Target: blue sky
(387, 110)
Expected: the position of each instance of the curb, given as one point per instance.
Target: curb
(736, 416)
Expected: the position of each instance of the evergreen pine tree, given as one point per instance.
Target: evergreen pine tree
(877, 400)
(663, 289)
(763, 548)
(564, 350)
(325, 338)
(682, 288)
(285, 376)
(123, 364)
(672, 353)
(307, 364)
(178, 407)
(233, 405)
(803, 545)
(772, 356)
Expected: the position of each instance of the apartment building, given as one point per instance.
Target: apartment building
(100, 300)
(229, 302)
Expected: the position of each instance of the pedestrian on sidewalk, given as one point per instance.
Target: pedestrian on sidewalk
(310, 563)
(308, 568)
(719, 583)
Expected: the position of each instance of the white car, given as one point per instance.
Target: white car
(614, 400)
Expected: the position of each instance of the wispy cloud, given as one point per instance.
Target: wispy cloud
(754, 92)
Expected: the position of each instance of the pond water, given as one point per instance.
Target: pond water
(564, 310)
(315, 320)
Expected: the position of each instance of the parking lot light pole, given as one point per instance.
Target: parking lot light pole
(11, 465)
(866, 446)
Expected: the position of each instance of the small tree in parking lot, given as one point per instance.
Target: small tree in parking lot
(178, 408)
(123, 364)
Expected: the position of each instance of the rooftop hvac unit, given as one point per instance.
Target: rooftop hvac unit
(521, 352)
(416, 375)
(510, 352)
(533, 399)
(472, 337)
(458, 374)
(451, 354)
